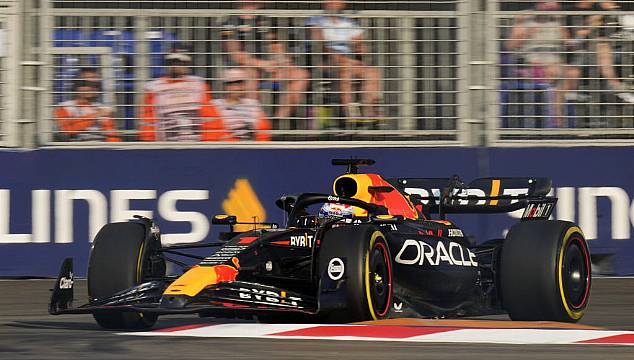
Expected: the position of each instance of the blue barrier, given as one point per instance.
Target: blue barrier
(51, 201)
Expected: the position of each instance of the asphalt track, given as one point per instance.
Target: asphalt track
(27, 331)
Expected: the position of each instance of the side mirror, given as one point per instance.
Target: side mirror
(224, 220)
(286, 202)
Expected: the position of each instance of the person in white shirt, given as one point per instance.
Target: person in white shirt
(177, 106)
(342, 39)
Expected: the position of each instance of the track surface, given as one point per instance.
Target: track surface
(27, 331)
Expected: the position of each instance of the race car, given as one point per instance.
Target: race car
(373, 249)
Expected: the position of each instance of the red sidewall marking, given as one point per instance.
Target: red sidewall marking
(386, 256)
(586, 255)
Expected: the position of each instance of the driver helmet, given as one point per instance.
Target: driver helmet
(335, 211)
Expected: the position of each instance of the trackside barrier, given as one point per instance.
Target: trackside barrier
(53, 201)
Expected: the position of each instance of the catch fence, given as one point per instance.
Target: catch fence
(571, 82)
(418, 56)
(425, 73)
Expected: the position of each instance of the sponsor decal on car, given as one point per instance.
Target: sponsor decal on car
(538, 211)
(454, 233)
(416, 252)
(302, 240)
(392, 227)
(335, 269)
(464, 196)
(398, 307)
(269, 296)
(66, 282)
(223, 254)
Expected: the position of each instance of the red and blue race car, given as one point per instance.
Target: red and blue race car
(374, 248)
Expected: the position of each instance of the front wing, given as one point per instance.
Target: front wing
(226, 299)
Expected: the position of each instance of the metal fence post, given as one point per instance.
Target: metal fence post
(491, 102)
(142, 75)
(30, 65)
(9, 124)
(465, 76)
(44, 126)
(408, 74)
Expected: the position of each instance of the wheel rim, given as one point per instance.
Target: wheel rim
(576, 273)
(380, 278)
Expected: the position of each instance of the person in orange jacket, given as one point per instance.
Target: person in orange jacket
(177, 106)
(83, 118)
(242, 117)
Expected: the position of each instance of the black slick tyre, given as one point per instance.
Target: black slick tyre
(119, 253)
(367, 272)
(545, 271)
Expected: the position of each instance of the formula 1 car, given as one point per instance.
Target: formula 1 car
(375, 253)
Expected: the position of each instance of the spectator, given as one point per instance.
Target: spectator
(592, 31)
(83, 118)
(91, 76)
(254, 46)
(540, 41)
(177, 106)
(342, 39)
(242, 117)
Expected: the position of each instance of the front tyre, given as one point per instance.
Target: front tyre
(120, 259)
(367, 273)
(545, 271)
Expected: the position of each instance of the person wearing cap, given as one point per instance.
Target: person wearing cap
(242, 117)
(253, 45)
(83, 118)
(177, 106)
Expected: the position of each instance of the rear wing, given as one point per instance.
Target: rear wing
(483, 195)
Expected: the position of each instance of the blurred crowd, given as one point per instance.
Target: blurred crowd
(180, 106)
(542, 53)
(560, 52)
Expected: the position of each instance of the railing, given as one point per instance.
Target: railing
(582, 94)
(445, 72)
(418, 56)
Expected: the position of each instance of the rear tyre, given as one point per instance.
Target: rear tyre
(119, 259)
(367, 272)
(545, 271)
